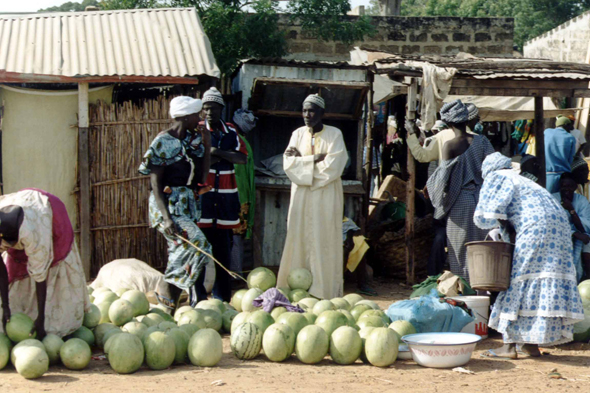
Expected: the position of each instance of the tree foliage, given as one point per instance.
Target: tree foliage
(71, 6)
(532, 17)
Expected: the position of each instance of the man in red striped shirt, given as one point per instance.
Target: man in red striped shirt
(221, 206)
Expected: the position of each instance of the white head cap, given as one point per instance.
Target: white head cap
(316, 99)
(213, 95)
(184, 106)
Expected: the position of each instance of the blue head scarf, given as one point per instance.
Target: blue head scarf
(495, 162)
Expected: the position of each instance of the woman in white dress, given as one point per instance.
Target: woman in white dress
(41, 273)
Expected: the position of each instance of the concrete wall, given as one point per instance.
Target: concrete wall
(567, 42)
(491, 37)
(39, 146)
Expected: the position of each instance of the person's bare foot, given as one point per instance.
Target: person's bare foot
(531, 349)
(507, 351)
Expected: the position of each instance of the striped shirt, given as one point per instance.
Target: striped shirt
(221, 206)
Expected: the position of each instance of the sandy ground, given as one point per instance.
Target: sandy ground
(571, 361)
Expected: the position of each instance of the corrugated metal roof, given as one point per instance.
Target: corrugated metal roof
(167, 42)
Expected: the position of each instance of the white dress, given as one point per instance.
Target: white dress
(314, 226)
(67, 294)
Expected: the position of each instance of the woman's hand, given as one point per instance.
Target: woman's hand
(581, 237)
(39, 327)
(204, 189)
(567, 204)
(5, 315)
(168, 226)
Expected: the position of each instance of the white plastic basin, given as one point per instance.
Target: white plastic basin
(441, 350)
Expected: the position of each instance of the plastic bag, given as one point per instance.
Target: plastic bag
(429, 315)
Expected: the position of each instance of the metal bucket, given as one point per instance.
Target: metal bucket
(489, 265)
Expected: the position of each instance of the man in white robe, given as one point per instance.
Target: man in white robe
(314, 161)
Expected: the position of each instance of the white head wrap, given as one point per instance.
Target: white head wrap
(316, 99)
(213, 95)
(184, 106)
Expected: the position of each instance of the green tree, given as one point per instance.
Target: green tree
(71, 6)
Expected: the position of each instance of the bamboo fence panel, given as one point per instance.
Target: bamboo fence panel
(119, 136)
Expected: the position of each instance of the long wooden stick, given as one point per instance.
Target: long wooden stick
(233, 274)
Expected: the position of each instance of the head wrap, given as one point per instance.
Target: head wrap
(578, 162)
(495, 162)
(473, 111)
(315, 99)
(245, 119)
(562, 121)
(439, 125)
(213, 95)
(454, 112)
(184, 106)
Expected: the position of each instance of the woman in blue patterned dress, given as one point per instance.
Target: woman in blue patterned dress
(178, 161)
(542, 303)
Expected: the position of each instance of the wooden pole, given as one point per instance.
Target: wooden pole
(369, 149)
(410, 192)
(84, 167)
(540, 140)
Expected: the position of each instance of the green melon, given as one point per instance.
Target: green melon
(98, 291)
(248, 297)
(152, 319)
(369, 303)
(85, 334)
(158, 309)
(4, 354)
(353, 299)
(213, 319)
(136, 328)
(311, 317)
(278, 342)
(126, 353)
(105, 297)
(121, 291)
(331, 320)
(189, 329)
(286, 291)
(4, 338)
(300, 279)
(262, 319)
(236, 300)
(163, 326)
(341, 303)
(359, 309)
(309, 302)
(75, 354)
(323, 305)
(104, 312)
(239, 319)
(228, 317)
(205, 348)
(584, 289)
(364, 333)
(294, 320)
(246, 341)
(277, 311)
(261, 278)
(298, 294)
(312, 344)
(19, 327)
(180, 311)
(121, 312)
(52, 344)
(402, 328)
(32, 362)
(150, 330)
(100, 331)
(108, 335)
(193, 317)
(345, 345)
(92, 317)
(376, 313)
(31, 342)
(160, 350)
(381, 347)
(582, 328)
(90, 290)
(139, 300)
(370, 320)
(350, 318)
(181, 339)
(212, 304)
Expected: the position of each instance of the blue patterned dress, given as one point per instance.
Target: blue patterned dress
(180, 159)
(542, 303)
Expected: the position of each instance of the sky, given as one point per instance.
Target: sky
(35, 5)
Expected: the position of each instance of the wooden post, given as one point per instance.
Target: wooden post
(84, 168)
(369, 155)
(540, 140)
(410, 191)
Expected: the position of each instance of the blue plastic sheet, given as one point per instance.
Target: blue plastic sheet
(428, 315)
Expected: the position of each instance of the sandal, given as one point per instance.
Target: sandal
(366, 290)
(490, 354)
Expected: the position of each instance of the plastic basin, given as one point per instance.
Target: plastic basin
(441, 350)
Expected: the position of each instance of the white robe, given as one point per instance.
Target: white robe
(314, 226)
(67, 294)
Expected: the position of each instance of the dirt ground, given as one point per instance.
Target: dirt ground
(571, 361)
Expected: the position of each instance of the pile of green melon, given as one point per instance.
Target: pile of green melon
(127, 330)
(346, 328)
